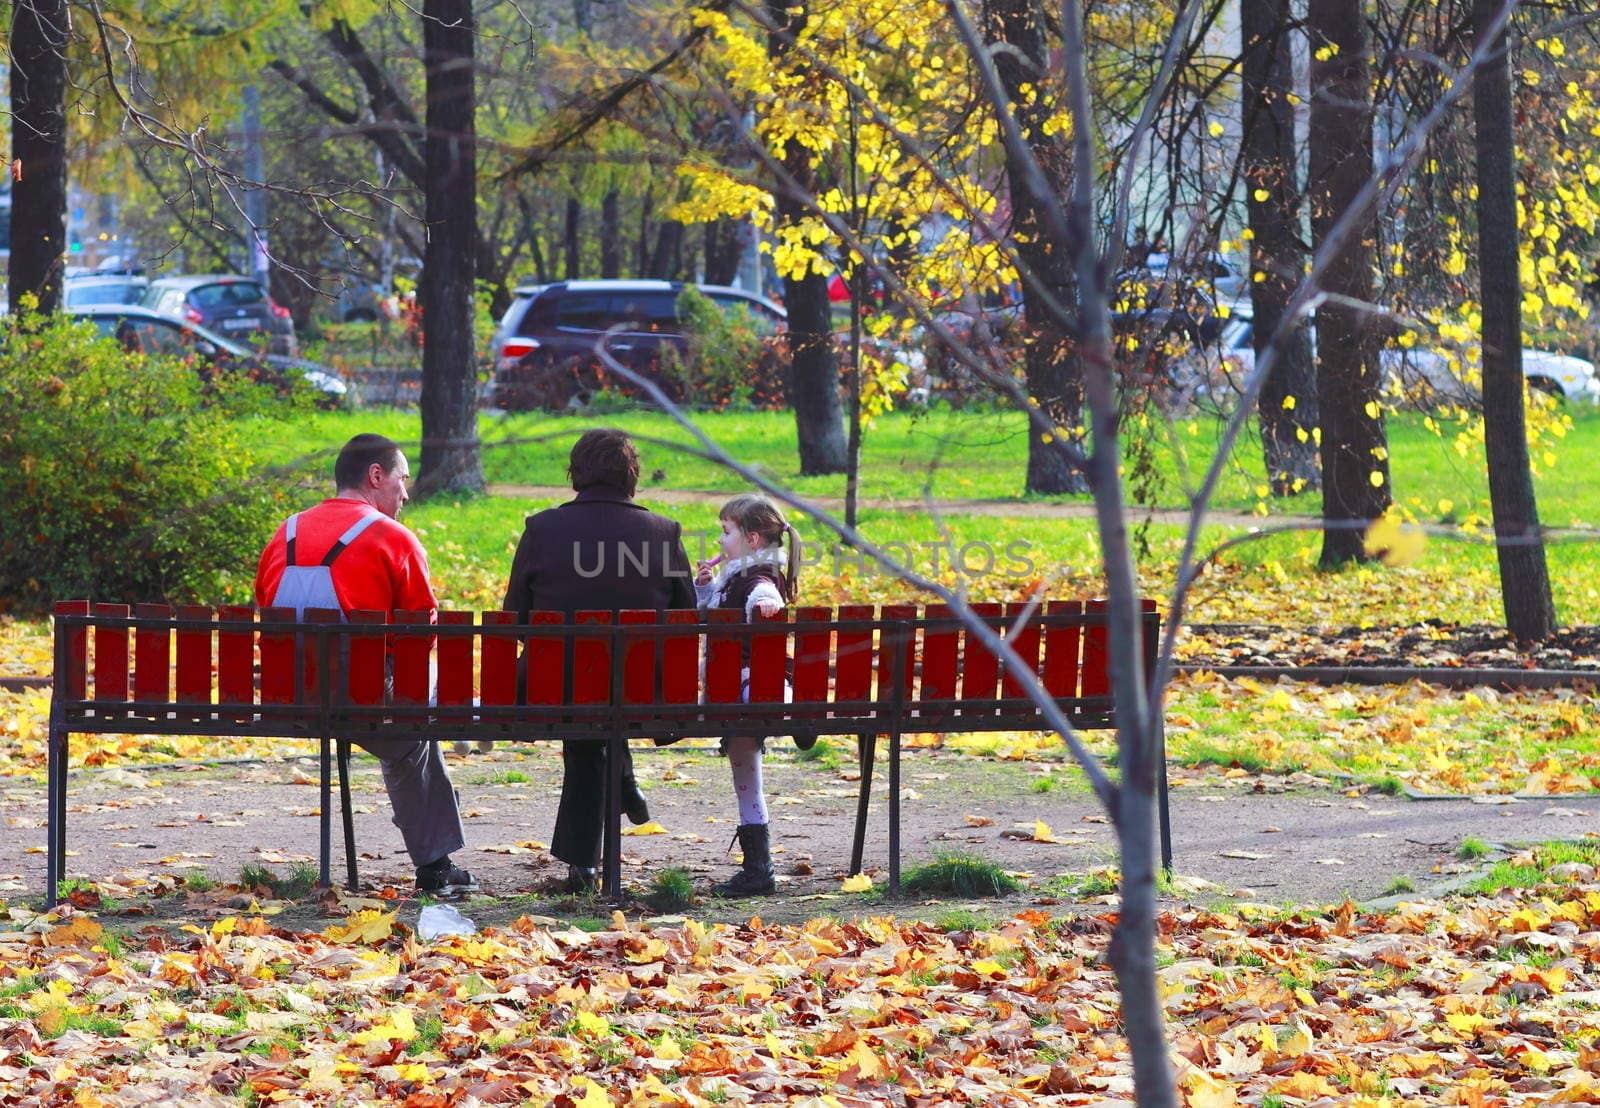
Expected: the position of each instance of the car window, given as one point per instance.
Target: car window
(83, 296)
(229, 294)
(645, 311)
(589, 311)
(766, 320)
(152, 336)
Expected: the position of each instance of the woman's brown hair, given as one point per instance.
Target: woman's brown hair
(752, 513)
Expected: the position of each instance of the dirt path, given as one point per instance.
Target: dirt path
(1281, 841)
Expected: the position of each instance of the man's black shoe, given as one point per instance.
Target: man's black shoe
(443, 877)
(805, 742)
(634, 805)
(582, 880)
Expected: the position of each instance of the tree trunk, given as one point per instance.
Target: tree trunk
(1287, 406)
(573, 226)
(1355, 466)
(1051, 362)
(610, 236)
(667, 259)
(814, 388)
(39, 146)
(1524, 576)
(722, 252)
(449, 402)
(641, 253)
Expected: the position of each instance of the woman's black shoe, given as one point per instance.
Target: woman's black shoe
(582, 880)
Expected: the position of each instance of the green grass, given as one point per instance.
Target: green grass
(963, 919)
(1531, 869)
(301, 880)
(962, 875)
(429, 1029)
(1400, 885)
(672, 890)
(199, 881)
(505, 777)
(981, 455)
(973, 453)
(1471, 849)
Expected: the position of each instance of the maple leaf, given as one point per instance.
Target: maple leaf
(856, 883)
(651, 828)
(370, 925)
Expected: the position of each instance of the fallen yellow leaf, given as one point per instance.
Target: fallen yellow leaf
(856, 883)
(651, 828)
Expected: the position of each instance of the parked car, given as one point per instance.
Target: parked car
(1422, 377)
(1219, 274)
(236, 306)
(359, 302)
(549, 325)
(89, 289)
(142, 331)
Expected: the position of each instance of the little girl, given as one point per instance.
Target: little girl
(756, 575)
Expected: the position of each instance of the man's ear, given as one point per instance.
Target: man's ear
(375, 475)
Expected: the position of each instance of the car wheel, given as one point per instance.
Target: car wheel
(1547, 386)
(361, 315)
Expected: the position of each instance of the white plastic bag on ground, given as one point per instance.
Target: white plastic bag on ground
(439, 920)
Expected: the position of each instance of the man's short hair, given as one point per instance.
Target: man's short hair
(358, 455)
(604, 459)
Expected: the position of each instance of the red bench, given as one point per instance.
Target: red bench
(856, 671)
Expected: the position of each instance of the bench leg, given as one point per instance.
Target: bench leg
(866, 750)
(325, 823)
(611, 841)
(894, 813)
(56, 820)
(353, 881)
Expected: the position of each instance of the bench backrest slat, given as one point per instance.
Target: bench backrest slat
(74, 681)
(277, 657)
(888, 690)
(497, 661)
(193, 647)
(546, 661)
(455, 661)
(724, 657)
(1061, 650)
(1094, 675)
(111, 655)
(591, 659)
(152, 656)
(236, 656)
(852, 663)
(813, 647)
(769, 648)
(412, 679)
(680, 659)
(939, 647)
(367, 667)
(638, 660)
(980, 669)
(1025, 642)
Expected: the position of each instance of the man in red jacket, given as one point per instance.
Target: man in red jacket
(350, 552)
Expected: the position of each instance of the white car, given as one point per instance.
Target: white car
(1422, 376)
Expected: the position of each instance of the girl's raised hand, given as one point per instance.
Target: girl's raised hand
(702, 573)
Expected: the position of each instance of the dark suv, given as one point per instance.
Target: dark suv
(548, 328)
(238, 307)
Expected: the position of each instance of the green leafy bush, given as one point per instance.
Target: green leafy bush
(730, 362)
(122, 477)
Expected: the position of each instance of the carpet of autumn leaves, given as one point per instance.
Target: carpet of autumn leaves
(1486, 1001)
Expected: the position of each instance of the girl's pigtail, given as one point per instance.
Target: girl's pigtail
(792, 537)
